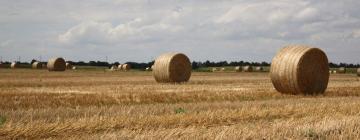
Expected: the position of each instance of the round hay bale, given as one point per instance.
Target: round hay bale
(74, 68)
(36, 65)
(259, 69)
(334, 72)
(342, 70)
(222, 69)
(125, 67)
(56, 64)
(248, 69)
(148, 69)
(358, 71)
(14, 65)
(300, 70)
(238, 68)
(172, 67)
(120, 66)
(214, 69)
(113, 68)
(69, 66)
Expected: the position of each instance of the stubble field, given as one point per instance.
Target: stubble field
(38, 104)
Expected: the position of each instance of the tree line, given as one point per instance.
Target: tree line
(195, 64)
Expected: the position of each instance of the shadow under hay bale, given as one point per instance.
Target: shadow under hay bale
(56, 64)
(172, 67)
(300, 70)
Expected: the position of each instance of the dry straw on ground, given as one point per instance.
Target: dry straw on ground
(36, 65)
(248, 69)
(172, 67)
(238, 68)
(56, 64)
(13, 65)
(342, 70)
(300, 69)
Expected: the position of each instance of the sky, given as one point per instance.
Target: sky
(141, 30)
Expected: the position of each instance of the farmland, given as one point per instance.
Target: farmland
(98, 104)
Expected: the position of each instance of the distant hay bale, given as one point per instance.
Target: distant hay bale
(36, 65)
(114, 68)
(342, 70)
(56, 64)
(248, 69)
(214, 69)
(69, 66)
(238, 68)
(334, 72)
(259, 69)
(222, 69)
(125, 67)
(14, 65)
(172, 67)
(148, 69)
(119, 67)
(74, 68)
(358, 71)
(300, 70)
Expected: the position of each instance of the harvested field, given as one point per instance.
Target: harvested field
(95, 104)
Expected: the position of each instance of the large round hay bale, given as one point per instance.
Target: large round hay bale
(125, 67)
(69, 65)
(113, 68)
(342, 70)
(248, 69)
(238, 68)
(172, 67)
(14, 65)
(358, 72)
(36, 65)
(300, 70)
(259, 69)
(56, 64)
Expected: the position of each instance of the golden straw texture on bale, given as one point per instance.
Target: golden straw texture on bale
(13, 65)
(56, 64)
(172, 67)
(342, 70)
(248, 69)
(358, 72)
(36, 65)
(125, 67)
(300, 70)
(238, 68)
